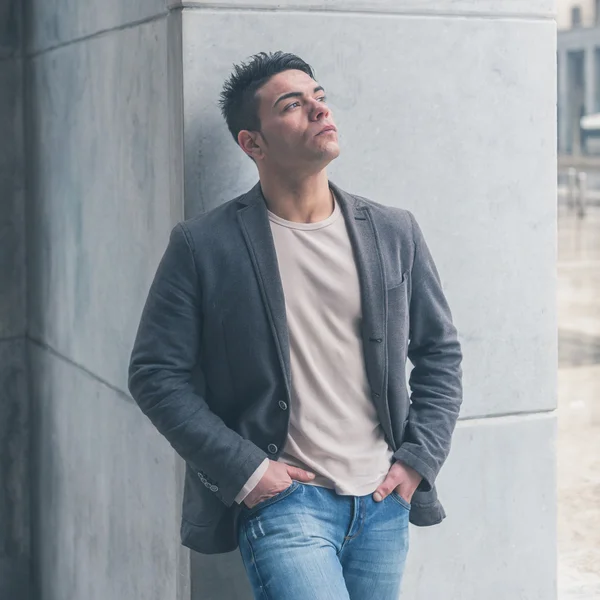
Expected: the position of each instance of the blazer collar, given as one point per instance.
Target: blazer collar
(347, 201)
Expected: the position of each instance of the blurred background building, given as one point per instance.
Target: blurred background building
(578, 75)
(576, 13)
(578, 265)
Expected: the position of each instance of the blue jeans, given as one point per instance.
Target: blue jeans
(309, 543)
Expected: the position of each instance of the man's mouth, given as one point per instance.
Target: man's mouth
(327, 129)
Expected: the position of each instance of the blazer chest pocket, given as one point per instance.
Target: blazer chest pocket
(398, 281)
(398, 300)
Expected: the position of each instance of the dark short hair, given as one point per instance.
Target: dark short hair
(238, 99)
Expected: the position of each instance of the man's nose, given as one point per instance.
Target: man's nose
(320, 110)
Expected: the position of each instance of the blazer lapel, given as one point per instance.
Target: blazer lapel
(254, 223)
(367, 255)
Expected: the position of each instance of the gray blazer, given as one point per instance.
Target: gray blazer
(211, 358)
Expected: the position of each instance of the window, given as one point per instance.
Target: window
(576, 16)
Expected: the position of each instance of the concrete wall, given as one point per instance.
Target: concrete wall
(14, 403)
(447, 109)
(103, 193)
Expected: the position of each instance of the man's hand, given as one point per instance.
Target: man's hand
(277, 478)
(401, 478)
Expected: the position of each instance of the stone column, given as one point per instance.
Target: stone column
(446, 109)
(103, 112)
(14, 400)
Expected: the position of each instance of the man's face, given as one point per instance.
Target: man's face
(297, 128)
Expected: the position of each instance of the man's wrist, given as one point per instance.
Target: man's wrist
(414, 475)
(252, 481)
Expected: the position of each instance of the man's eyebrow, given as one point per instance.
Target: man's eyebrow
(319, 88)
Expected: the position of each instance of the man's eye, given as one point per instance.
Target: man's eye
(322, 98)
(290, 105)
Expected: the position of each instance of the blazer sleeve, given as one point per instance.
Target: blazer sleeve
(164, 355)
(436, 379)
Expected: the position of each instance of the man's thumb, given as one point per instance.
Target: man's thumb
(300, 474)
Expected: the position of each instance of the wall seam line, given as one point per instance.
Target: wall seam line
(240, 8)
(85, 370)
(128, 397)
(526, 413)
(191, 6)
(96, 34)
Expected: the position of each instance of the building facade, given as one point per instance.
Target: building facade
(578, 62)
(571, 14)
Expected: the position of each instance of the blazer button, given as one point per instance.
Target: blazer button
(282, 405)
(214, 488)
(272, 448)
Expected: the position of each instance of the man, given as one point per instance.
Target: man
(298, 304)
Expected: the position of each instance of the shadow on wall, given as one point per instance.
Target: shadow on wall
(216, 169)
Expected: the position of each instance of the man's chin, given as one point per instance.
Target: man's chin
(330, 152)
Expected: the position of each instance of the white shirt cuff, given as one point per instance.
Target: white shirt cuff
(253, 480)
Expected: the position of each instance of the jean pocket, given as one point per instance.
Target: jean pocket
(400, 500)
(273, 499)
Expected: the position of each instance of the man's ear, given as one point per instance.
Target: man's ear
(248, 143)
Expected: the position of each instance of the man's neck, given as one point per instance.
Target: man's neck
(305, 200)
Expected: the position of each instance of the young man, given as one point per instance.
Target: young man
(298, 304)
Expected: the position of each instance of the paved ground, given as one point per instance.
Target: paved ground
(579, 405)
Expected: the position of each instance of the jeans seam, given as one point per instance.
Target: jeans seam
(401, 501)
(362, 515)
(260, 581)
